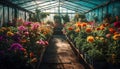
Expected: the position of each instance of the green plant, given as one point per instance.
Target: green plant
(38, 16)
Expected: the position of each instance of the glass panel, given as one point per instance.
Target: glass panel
(116, 9)
(27, 16)
(5, 14)
(1, 15)
(13, 13)
(110, 9)
(10, 14)
(104, 11)
(100, 14)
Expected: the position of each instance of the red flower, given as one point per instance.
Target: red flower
(117, 24)
(111, 30)
(70, 28)
(88, 30)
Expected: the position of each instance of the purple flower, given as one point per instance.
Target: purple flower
(2, 52)
(1, 38)
(16, 37)
(22, 28)
(15, 46)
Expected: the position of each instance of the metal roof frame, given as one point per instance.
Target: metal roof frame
(46, 7)
(79, 4)
(42, 6)
(25, 2)
(75, 9)
(35, 4)
(75, 6)
(88, 1)
(72, 4)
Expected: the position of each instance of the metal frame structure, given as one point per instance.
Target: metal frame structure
(28, 5)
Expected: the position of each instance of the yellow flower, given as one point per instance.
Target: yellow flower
(77, 30)
(90, 39)
(116, 37)
(9, 33)
(101, 38)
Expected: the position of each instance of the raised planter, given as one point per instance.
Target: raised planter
(41, 55)
(90, 62)
(77, 53)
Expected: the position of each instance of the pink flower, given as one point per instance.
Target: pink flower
(22, 28)
(108, 35)
(41, 42)
(118, 29)
(46, 42)
(35, 26)
(117, 24)
(27, 23)
(26, 33)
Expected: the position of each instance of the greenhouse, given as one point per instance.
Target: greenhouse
(59, 34)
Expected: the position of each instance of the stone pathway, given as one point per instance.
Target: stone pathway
(59, 55)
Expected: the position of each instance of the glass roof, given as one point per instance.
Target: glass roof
(73, 5)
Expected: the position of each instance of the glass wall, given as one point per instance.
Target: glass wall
(1, 15)
(5, 14)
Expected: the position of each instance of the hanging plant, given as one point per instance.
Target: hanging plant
(66, 18)
(38, 16)
(57, 18)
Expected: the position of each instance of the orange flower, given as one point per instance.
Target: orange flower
(102, 27)
(31, 54)
(116, 37)
(90, 39)
(44, 33)
(3, 28)
(111, 30)
(116, 33)
(84, 24)
(70, 28)
(78, 24)
(77, 30)
(88, 30)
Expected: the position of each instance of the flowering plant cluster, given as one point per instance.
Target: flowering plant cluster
(26, 41)
(98, 42)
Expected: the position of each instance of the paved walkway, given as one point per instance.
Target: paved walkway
(59, 55)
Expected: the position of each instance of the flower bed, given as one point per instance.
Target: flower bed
(21, 47)
(96, 43)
